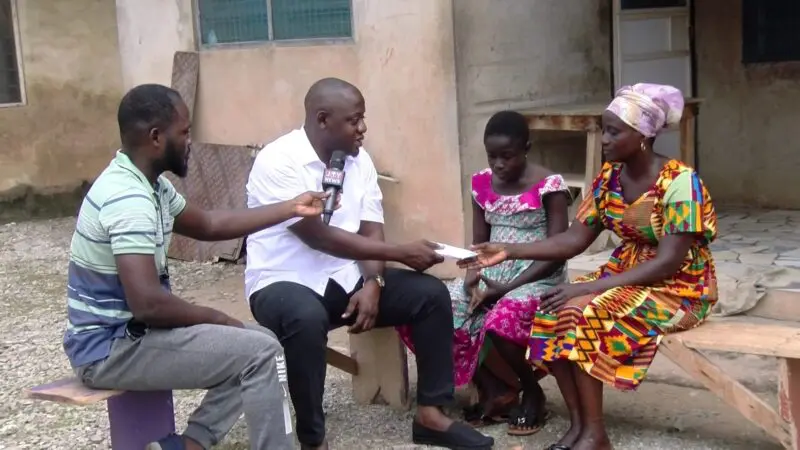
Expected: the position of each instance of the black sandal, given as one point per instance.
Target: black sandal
(473, 414)
(475, 417)
(525, 422)
(558, 447)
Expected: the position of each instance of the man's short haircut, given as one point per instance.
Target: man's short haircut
(145, 107)
(325, 90)
(510, 124)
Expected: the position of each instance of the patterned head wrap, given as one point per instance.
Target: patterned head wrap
(648, 108)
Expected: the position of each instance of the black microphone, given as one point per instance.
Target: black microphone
(332, 181)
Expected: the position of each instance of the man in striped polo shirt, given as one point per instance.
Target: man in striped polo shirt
(125, 329)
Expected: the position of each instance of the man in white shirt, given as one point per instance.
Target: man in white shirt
(304, 278)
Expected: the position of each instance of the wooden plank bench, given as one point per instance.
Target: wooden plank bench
(379, 366)
(377, 363)
(135, 418)
(771, 329)
(381, 359)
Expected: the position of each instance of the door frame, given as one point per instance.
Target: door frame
(616, 40)
(616, 58)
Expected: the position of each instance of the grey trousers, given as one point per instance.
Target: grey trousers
(243, 370)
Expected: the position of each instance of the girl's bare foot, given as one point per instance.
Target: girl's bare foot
(593, 438)
(571, 436)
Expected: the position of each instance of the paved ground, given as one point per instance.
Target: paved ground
(751, 238)
(32, 273)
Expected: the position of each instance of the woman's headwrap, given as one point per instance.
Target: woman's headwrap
(648, 108)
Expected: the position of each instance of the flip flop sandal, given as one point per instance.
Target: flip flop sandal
(494, 420)
(473, 415)
(558, 447)
(526, 423)
(504, 404)
(487, 422)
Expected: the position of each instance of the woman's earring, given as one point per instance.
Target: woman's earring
(643, 147)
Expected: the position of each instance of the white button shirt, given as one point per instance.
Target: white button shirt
(284, 169)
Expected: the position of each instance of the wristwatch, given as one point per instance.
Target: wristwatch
(378, 279)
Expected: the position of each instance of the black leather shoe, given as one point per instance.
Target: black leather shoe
(459, 436)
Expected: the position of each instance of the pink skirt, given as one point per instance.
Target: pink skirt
(509, 319)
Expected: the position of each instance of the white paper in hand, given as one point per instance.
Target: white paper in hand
(448, 251)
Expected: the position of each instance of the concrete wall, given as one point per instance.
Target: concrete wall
(67, 132)
(402, 58)
(518, 54)
(748, 152)
(150, 32)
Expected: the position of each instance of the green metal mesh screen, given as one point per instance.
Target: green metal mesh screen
(227, 21)
(305, 19)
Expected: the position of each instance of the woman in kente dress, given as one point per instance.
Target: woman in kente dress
(605, 327)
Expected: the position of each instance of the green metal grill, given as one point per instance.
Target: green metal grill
(227, 21)
(231, 21)
(307, 19)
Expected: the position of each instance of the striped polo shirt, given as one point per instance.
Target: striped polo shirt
(121, 214)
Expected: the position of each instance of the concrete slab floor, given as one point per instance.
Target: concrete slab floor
(749, 237)
(659, 416)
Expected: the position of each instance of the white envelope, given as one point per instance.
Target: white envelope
(448, 251)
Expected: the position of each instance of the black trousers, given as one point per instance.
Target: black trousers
(301, 319)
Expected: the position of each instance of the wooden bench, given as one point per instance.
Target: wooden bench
(771, 329)
(380, 374)
(379, 367)
(135, 418)
(377, 363)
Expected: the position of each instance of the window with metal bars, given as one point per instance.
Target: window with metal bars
(770, 31)
(237, 21)
(10, 88)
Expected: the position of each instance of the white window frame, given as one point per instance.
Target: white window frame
(198, 33)
(23, 98)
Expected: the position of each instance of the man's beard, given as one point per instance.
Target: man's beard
(174, 161)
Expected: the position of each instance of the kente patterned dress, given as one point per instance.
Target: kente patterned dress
(614, 335)
(512, 218)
